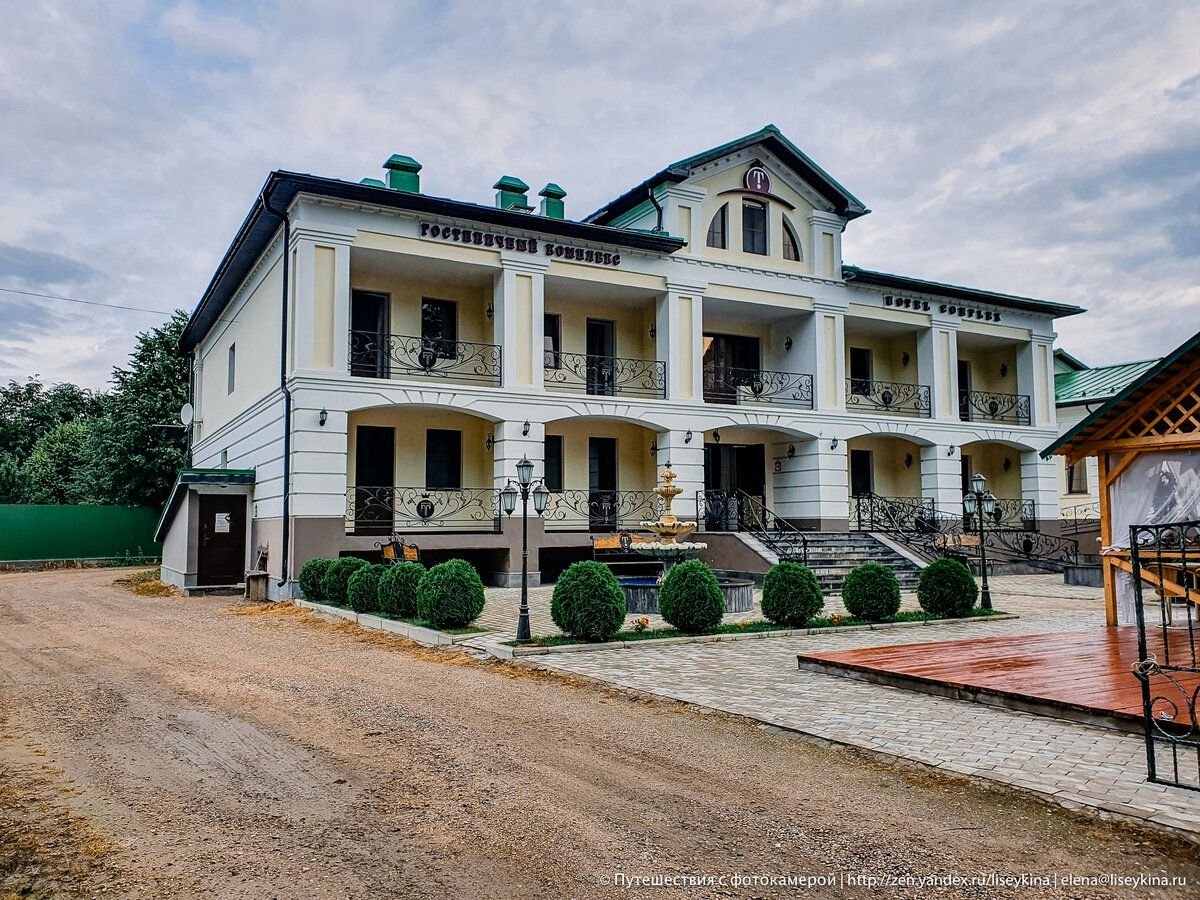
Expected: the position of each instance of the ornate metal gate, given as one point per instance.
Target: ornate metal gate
(1166, 580)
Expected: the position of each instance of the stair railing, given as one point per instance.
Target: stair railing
(737, 510)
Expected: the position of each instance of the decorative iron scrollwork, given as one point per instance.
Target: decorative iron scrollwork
(607, 376)
(1031, 545)
(725, 384)
(375, 355)
(383, 510)
(1008, 515)
(739, 511)
(1083, 517)
(888, 397)
(872, 512)
(987, 406)
(603, 511)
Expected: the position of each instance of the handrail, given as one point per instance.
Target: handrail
(737, 510)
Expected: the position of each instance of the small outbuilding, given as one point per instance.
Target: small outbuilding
(206, 543)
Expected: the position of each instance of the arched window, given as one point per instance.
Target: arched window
(717, 229)
(791, 243)
(754, 227)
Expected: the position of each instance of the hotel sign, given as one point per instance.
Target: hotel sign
(520, 245)
(948, 309)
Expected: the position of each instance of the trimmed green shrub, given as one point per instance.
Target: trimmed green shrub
(336, 580)
(398, 589)
(362, 591)
(947, 588)
(791, 594)
(588, 602)
(450, 595)
(871, 592)
(691, 598)
(311, 574)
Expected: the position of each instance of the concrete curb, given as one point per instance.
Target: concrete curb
(499, 649)
(428, 636)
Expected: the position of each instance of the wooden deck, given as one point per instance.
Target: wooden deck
(1080, 675)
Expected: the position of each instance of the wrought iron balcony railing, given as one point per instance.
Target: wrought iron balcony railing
(375, 355)
(606, 376)
(385, 510)
(600, 511)
(1083, 517)
(725, 384)
(986, 406)
(888, 397)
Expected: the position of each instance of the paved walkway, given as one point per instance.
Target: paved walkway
(1077, 765)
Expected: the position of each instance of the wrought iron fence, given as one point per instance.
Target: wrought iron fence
(725, 384)
(1082, 517)
(739, 511)
(1165, 560)
(987, 406)
(1009, 515)
(384, 510)
(375, 355)
(600, 511)
(871, 512)
(1014, 545)
(607, 376)
(888, 397)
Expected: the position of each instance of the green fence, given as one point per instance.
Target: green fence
(76, 532)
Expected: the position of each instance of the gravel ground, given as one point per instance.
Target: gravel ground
(171, 747)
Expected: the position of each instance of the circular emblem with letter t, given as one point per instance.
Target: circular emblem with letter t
(757, 180)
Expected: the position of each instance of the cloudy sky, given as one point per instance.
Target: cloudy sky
(1047, 149)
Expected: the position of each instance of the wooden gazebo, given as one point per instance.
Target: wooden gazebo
(1147, 442)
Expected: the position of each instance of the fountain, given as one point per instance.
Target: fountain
(641, 592)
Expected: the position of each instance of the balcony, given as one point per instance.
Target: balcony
(376, 355)
(386, 510)
(728, 385)
(605, 376)
(600, 511)
(986, 406)
(888, 398)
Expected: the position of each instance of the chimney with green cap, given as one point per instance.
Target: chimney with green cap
(402, 174)
(510, 194)
(552, 201)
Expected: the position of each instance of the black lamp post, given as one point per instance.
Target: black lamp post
(981, 499)
(524, 485)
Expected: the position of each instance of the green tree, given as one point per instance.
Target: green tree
(29, 410)
(54, 471)
(10, 478)
(133, 460)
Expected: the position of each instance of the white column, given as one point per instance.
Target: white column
(937, 366)
(825, 230)
(823, 344)
(1035, 377)
(687, 460)
(941, 477)
(319, 305)
(679, 340)
(1039, 483)
(519, 302)
(511, 443)
(814, 486)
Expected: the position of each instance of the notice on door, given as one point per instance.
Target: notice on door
(221, 526)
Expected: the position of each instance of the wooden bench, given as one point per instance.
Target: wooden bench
(397, 551)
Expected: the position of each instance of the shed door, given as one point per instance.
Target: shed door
(221, 556)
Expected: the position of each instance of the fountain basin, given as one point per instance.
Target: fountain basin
(641, 593)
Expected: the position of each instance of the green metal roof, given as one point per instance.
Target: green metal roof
(196, 476)
(858, 275)
(1096, 385)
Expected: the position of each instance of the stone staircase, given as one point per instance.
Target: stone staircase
(832, 554)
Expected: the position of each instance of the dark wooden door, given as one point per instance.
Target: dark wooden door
(862, 473)
(602, 483)
(369, 342)
(374, 476)
(221, 556)
(601, 342)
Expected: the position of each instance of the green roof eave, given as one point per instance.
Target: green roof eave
(959, 292)
(187, 477)
(1085, 386)
(1190, 345)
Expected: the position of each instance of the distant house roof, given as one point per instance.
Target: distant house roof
(189, 477)
(1096, 385)
(260, 227)
(843, 202)
(1071, 362)
(1186, 355)
(957, 292)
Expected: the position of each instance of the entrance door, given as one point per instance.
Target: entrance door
(369, 334)
(730, 361)
(732, 472)
(964, 390)
(602, 484)
(862, 473)
(221, 556)
(860, 371)
(374, 476)
(600, 348)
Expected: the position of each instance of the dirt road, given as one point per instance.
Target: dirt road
(168, 747)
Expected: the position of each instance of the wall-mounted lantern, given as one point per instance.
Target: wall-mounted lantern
(905, 359)
(525, 429)
(1007, 464)
(654, 449)
(908, 460)
(653, 331)
(787, 344)
(950, 450)
(1003, 370)
(490, 311)
(323, 417)
(687, 437)
(490, 442)
(833, 444)
(716, 436)
(791, 451)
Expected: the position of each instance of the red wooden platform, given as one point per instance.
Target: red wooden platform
(1081, 675)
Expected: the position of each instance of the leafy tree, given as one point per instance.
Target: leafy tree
(29, 410)
(10, 478)
(133, 461)
(53, 472)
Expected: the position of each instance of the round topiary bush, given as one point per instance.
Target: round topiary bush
(871, 592)
(450, 595)
(947, 588)
(336, 580)
(691, 598)
(362, 591)
(310, 578)
(398, 589)
(791, 594)
(588, 602)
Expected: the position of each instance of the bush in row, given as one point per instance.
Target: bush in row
(588, 602)
(335, 583)
(310, 578)
(691, 598)
(871, 592)
(398, 589)
(450, 595)
(362, 591)
(791, 594)
(947, 588)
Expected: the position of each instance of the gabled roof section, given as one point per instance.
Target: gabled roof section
(1096, 385)
(281, 188)
(188, 477)
(843, 202)
(1182, 360)
(957, 292)
(1071, 362)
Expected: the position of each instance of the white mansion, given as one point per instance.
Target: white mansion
(370, 359)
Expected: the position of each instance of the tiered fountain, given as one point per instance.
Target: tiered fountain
(641, 592)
